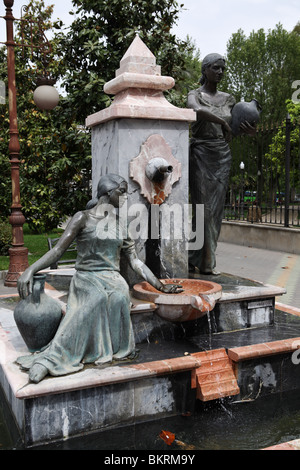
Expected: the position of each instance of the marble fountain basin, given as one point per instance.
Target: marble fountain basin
(197, 299)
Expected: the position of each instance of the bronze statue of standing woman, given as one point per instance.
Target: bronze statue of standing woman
(210, 157)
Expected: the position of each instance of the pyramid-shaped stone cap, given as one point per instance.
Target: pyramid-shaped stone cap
(139, 88)
(138, 69)
(138, 59)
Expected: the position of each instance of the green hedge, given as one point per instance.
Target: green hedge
(5, 237)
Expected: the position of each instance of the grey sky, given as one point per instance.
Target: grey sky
(210, 24)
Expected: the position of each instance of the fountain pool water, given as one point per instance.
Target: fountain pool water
(221, 425)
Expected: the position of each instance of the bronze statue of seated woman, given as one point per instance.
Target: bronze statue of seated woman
(97, 325)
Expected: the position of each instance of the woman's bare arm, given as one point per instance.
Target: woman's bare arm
(142, 270)
(26, 279)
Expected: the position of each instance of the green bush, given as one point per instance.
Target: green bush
(5, 237)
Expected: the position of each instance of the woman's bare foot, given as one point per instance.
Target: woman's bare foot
(37, 373)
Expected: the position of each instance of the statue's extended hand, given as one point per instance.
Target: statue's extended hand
(171, 289)
(25, 283)
(248, 128)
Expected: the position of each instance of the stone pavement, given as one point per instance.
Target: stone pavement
(6, 290)
(270, 267)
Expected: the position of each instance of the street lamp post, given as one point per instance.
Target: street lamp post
(242, 168)
(45, 97)
(18, 254)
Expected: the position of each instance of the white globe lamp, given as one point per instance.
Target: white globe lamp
(46, 96)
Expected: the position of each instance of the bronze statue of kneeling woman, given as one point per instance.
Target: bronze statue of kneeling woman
(97, 325)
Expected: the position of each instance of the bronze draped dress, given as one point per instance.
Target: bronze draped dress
(209, 168)
(97, 325)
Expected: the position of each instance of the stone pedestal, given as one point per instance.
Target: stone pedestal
(160, 382)
(121, 133)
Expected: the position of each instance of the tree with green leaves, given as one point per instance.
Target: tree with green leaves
(263, 66)
(55, 152)
(55, 146)
(99, 37)
(276, 154)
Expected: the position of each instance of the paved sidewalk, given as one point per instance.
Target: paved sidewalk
(271, 267)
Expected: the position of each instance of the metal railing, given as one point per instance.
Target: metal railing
(264, 184)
